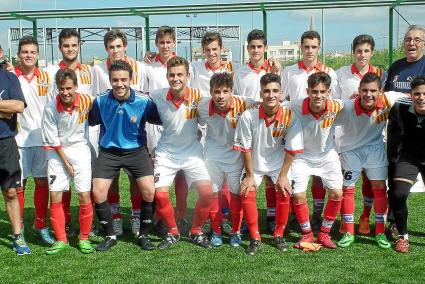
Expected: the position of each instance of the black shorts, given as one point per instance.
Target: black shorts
(110, 162)
(10, 170)
(408, 168)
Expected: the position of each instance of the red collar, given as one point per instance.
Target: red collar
(262, 115)
(108, 62)
(62, 65)
(354, 70)
(18, 73)
(257, 70)
(61, 108)
(213, 111)
(158, 59)
(359, 110)
(306, 110)
(318, 66)
(177, 104)
(208, 67)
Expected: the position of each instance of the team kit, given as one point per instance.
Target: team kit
(217, 128)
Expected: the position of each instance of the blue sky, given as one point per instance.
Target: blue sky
(341, 25)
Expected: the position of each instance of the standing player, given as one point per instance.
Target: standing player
(317, 113)
(115, 42)
(361, 147)
(294, 85)
(268, 136)
(411, 159)
(65, 137)
(69, 46)
(12, 102)
(122, 113)
(35, 85)
(220, 113)
(179, 149)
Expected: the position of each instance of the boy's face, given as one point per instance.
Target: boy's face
(177, 77)
(28, 55)
(363, 54)
(221, 96)
(116, 49)
(165, 45)
(318, 96)
(69, 48)
(418, 98)
(67, 92)
(271, 94)
(256, 49)
(212, 52)
(310, 49)
(120, 82)
(369, 93)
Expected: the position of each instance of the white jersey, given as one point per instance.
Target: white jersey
(84, 77)
(349, 79)
(202, 73)
(64, 129)
(179, 139)
(318, 130)
(101, 76)
(247, 80)
(36, 91)
(358, 127)
(267, 140)
(294, 80)
(155, 75)
(221, 129)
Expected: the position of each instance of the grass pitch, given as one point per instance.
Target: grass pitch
(364, 262)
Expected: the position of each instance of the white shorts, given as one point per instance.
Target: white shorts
(219, 173)
(372, 159)
(258, 176)
(328, 169)
(94, 142)
(80, 159)
(33, 162)
(165, 170)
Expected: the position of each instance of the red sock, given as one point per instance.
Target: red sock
(202, 209)
(114, 203)
(236, 212)
(225, 201)
(165, 211)
(318, 193)
(57, 219)
(86, 219)
(367, 193)
(331, 210)
(21, 199)
(270, 201)
(41, 205)
(251, 215)
(282, 213)
(182, 191)
(303, 218)
(347, 209)
(66, 203)
(380, 207)
(215, 215)
(136, 205)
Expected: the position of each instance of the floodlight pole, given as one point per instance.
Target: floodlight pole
(147, 27)
(390, 36)
(34, 22)
(263, 9)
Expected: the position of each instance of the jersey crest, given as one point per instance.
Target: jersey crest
(85, 74)
(240, 106)
(382, 113)
(43, 82)
(133, 64)
(84, 107)
(333, 108)
(190, 111)
(282, 122)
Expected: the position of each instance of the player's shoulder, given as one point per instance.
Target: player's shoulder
(103, 95)
(335, 105)
(51, 69)
(343, 70)
(141, 96)
(327, 69)
(86, 97)
(85, 67)
(196, 94)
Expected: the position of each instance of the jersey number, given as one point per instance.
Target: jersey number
(348, 175)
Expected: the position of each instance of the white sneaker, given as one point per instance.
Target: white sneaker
(135, 226)
(117, 224)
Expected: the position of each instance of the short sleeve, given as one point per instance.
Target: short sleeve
(243, 134)
(50, 130)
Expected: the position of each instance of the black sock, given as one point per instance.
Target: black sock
(146, 217)
(103, 211)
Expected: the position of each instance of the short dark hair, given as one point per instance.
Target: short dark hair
(310, 35)
(68, 33)
(361, 39)
(113, 35)
(165, 30)
(418, 81)
(210, 37)
(120, 65)
(223, 79)
(371, 78)
(317, 78)
(269, 78)
(178, 61)
(256, 35)
(27, 40)
(64, 74)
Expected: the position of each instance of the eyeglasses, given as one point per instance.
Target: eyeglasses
(416, 40)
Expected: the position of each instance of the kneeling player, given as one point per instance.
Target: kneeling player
(122, 114)
(263, 135)
(317, 113)
(361, 147)
(220, 113)
(65, 136)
